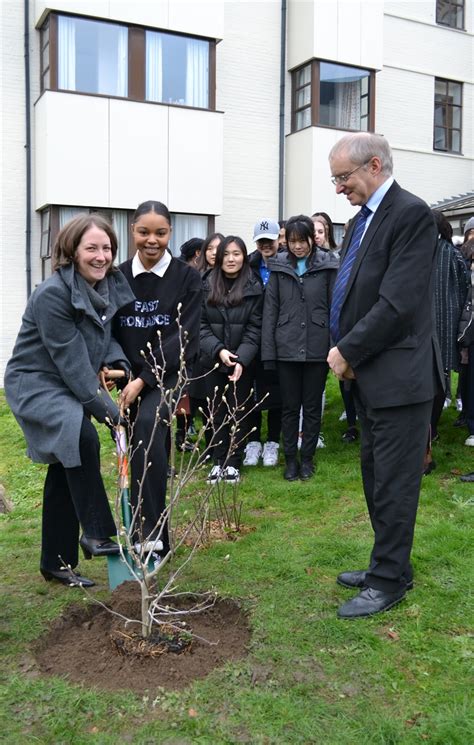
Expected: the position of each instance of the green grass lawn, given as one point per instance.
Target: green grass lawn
(400, 677)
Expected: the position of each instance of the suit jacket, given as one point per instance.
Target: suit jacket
(387, 316)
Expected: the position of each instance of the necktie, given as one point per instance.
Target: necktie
(344, 272)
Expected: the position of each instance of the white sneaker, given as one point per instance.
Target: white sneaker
(215, 475)
(230, 475)
(458, 404)
(270, 453)
(470, 441)
(343, 417)
(447, 403)
(148, 547)
(253, 451)
(321, 444)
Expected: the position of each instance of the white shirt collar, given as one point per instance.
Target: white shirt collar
(159, 269)
(374, 201)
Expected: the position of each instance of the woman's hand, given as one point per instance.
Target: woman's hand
(238, 370)
(226, 357)
(131, 392)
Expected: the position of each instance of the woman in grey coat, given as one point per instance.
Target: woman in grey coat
(52, 387)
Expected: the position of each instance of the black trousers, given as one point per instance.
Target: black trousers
(302, 385)
(349, 405)
(73, 497)
(393, 445)
(273, 425)
(236, 394)
(149, 464)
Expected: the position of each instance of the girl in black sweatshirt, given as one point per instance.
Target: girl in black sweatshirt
(160, 283)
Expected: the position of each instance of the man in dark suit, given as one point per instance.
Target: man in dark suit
(384, 344)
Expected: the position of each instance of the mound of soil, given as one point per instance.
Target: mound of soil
(80, 645)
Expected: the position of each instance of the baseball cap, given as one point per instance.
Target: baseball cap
(468, 226)
(266, 228)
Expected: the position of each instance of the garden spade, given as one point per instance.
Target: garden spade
(119, 566)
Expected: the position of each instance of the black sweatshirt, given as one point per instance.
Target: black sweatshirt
(156, 309)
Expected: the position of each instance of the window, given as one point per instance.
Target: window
(447, 116)
(330, 95)
(92, 57)
(177, 70)
(450, 13)
(111, 59)
(54, 218)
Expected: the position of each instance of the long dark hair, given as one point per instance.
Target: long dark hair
(299, 227)
(219, 294)
(330, 227)
(202, 264)
(444, 226)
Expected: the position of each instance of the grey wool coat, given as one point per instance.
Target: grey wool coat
(51, 379)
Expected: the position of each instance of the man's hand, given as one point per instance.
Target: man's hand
(339, 365)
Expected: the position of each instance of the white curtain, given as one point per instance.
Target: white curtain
(122, 63)
(197, 73)
(67, 213)
(154, 67)
(348, 105)
(66, 53)
(184, 228)
(120, 225)
(112, 60)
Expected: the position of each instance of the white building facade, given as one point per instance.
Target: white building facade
(224, 110)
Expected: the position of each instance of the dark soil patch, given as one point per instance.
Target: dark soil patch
(80, 646)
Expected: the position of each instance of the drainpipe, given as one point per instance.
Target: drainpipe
(27, 145)
(281, 158)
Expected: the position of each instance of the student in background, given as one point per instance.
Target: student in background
(266, 385)
(230, 336)
(295, 338)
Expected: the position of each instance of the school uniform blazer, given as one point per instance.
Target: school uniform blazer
(387, 316)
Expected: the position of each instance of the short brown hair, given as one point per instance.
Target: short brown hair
(70, 235)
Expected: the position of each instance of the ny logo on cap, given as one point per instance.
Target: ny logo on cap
(264, 225)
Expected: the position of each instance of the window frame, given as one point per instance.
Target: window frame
(136, 61)
(315, 87)
(457, 4)
(448, 108)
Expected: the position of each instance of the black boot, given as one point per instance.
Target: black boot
(292, 469)
(307, 469)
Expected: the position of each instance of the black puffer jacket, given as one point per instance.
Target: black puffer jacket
(296, 312)
(237, 329)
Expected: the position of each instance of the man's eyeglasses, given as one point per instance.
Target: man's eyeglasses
(343, 178)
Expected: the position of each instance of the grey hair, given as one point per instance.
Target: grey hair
(362, 146)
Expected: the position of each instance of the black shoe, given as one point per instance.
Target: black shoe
(98, 547)
(460, 421)
(67, 577)
(368, 602)
(351, 435)
(291, 471)
(468, 477)
(357, 579)
(306, 470)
